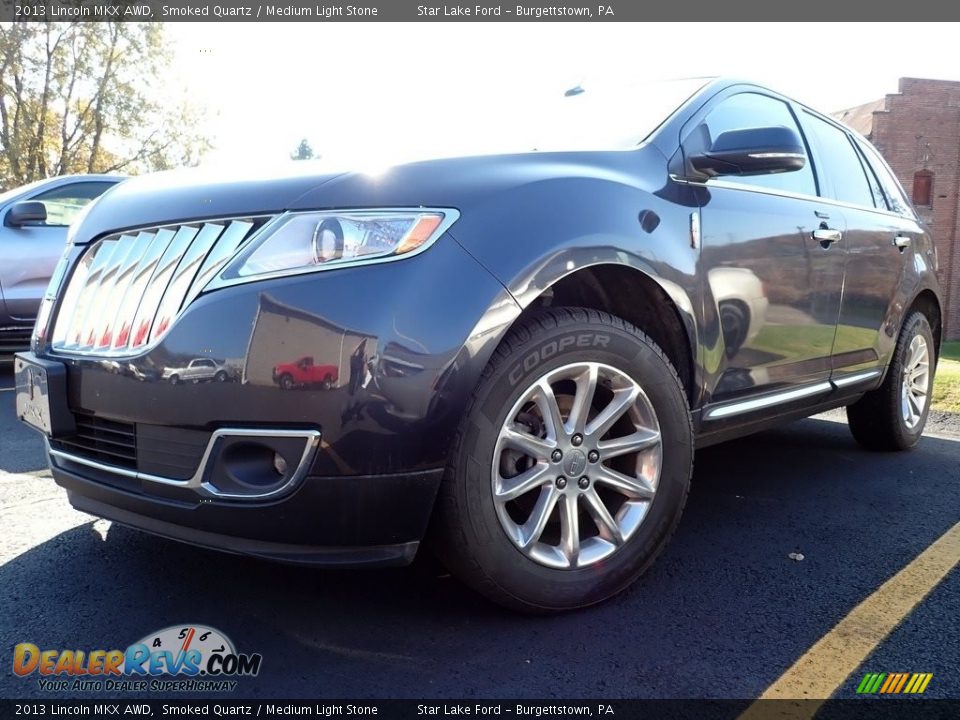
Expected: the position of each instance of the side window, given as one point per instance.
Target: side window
(839, 162)
(896, 198)
(876, 189)
(63, 203)
(750, 110)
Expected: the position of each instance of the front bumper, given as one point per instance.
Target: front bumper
(407, 358)
(325, 521)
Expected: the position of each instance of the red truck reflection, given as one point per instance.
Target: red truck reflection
(303, 372)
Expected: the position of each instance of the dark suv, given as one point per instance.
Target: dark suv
(528, 347)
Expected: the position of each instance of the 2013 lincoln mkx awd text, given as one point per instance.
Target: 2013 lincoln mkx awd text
(518, 353)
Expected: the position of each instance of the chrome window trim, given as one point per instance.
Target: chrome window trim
(791, 195)
(198, 482)
(450, 216)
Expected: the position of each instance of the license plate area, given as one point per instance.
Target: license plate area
(42, 395)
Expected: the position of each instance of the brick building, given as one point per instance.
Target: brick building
(918, 132)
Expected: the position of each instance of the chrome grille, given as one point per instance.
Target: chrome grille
(127, 289)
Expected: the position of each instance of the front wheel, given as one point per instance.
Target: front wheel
(571, 468)
(892, 417)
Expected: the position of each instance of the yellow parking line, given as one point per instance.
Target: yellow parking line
(823, 669)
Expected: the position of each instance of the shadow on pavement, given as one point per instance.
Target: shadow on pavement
(721, 613)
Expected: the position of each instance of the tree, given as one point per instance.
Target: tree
(89, 97)
(303, 151)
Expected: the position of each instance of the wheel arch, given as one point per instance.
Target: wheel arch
(928, 303)
(637, 297)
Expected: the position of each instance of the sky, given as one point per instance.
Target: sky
(365, 90)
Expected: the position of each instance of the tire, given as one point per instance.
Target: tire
(286, 381)
(220, 377)
(328, 382)
(174, 379)
(472, 524)
(879, 420)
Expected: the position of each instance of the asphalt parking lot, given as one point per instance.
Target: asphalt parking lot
(722, 614)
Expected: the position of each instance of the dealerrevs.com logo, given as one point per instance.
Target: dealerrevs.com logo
(186, 658)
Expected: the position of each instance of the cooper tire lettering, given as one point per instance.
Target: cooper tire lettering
(552, 348)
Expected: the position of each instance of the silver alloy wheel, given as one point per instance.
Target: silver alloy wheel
(915, 383)
(576, 465)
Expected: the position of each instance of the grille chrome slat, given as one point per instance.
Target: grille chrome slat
(91, 285)
(183, 277)
(218, 256)
(108, 282)
(83, 337)
(127, 289)
(106, 328)
(136, 294)
(157, 286)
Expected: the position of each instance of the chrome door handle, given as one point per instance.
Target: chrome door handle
(902, 241)
(826, 235)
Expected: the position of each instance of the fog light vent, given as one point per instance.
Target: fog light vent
(257, 463)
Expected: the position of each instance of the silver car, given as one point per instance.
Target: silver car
(197, 370)
(32, 235)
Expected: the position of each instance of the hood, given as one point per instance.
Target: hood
(185, 195)
(194, 194)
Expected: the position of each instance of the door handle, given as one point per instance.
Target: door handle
(826, 236)
(902, 241)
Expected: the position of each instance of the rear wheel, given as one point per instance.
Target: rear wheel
(572, 466)
(286, 381)
(892, 417)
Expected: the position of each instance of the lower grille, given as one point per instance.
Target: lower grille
(107, 441)
(169, 452)
(14, 339)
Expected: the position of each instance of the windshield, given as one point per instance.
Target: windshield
(12, 193)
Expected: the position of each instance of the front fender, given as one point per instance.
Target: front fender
(539, 234)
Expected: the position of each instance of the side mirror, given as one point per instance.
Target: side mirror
(23, 213)
(752, 151)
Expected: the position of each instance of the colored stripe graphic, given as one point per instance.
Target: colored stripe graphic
(903, 680)
(894, 683)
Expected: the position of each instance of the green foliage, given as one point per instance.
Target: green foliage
(87, 97)
(950, 350)
(946, 386)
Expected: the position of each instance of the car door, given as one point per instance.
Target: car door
(872, 303)
(29, 253)
(771, 274)
(874, 262)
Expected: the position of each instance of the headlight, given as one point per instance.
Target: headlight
(312, 241)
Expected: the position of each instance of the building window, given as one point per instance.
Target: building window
(922, 187)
